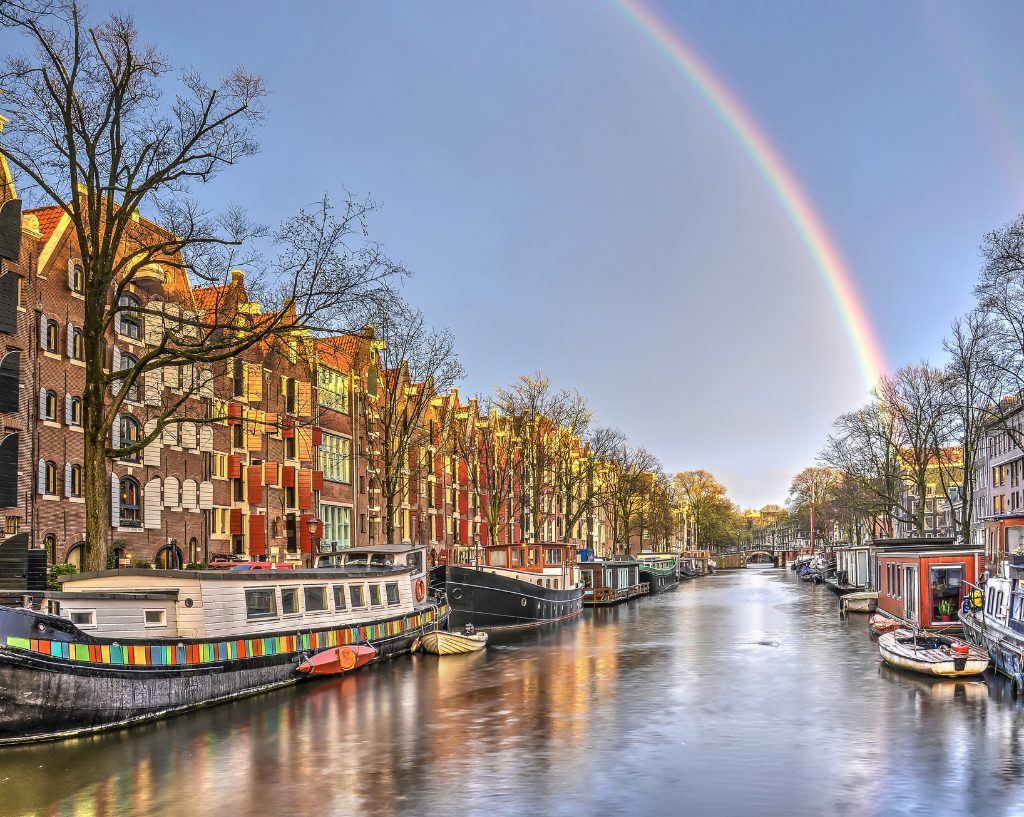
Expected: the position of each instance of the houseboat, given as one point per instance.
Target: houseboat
(922, 582)
(512, 586)
(117, 647)
(612, 581)
(993, 620)
(855, 567)
(659, 571)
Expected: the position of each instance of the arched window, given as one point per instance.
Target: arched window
(52, 336)
(9, 471)
(77, 279)
(77, 345)
(168, 558)
(50, 482)
(116, 555)
(50, 546)
(10, 378)
(75, 415)
(75, 488)
(194, 555)
(131, 433)
(50, 405)
(131, 503)
(76, 554)
(130, 362)
(131, 324)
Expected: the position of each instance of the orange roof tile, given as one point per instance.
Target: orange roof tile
(337, 352)
(48, 217)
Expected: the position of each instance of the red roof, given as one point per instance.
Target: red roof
(48, 219)
(338, 352)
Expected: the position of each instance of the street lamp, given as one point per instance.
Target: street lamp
(313, 526)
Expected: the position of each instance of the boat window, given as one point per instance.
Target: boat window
(339, 597)
(989, 606)
(156, 618)
(496, 558)
(515, 557)
(375, 595)
(84, 618)
(315, 598)
(290, 600)
(416, 560)
(260, 603)
(391, 588)
(554, 556)
(356, 595)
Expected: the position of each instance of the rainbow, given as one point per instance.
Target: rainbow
(837, 278)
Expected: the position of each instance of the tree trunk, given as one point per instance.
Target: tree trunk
(96, 487)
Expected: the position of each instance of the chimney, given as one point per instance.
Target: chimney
(237, 277)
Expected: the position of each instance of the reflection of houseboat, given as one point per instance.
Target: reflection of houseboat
(923, 581)
(993, 620)
(659, 571)
(514, 586)
(611, 582)
(117, 647)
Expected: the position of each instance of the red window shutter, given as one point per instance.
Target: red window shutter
(305, 490)
(305, 540)
(318, 435)
(234, 414)
(288, 476)
(234, 467)
(463, 530)
(272, 425)
(257, 535)
(318, 480)
(270, 473)
(254, 476)
(236, 521)
(463, 471)
(288, 427)
(463, 503)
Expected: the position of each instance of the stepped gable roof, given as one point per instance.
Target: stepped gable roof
(49, 218)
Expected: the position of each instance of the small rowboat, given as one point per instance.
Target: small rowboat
(931, 654)
(861, 602)
(440, 642)
(336, 660)
(882, 624)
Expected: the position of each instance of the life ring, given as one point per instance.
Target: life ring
(421, 589)
(977, 599)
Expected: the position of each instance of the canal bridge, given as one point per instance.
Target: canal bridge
(742, 555)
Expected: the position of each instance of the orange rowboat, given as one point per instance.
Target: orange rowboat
(336, 660)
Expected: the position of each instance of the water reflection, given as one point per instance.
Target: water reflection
(743, 693)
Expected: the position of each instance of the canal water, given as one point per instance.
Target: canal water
(738, 694)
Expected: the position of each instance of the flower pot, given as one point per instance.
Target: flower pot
(943, 618)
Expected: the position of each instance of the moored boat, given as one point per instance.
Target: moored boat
(442, 642)
(863, 601)
(931, 654)
(996, 626)
(516, 586)
(124, 646)
(336, 660)
(659, 571)
(880, 624)
(611, 581)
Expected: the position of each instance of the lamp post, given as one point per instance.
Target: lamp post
(313, 526)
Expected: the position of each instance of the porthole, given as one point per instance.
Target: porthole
(189, 602)
(457, 593)
(523, 602)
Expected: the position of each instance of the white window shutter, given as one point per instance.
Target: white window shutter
(42, 476)
(115, 433)
(151, 519)
(171, 434)
(71, 341)
(152, 390)
(205, 438)
(42, 404)
(188, 436)
(189, 499)
(67, 409)
(115, 501)
(67, 479)
(151, 453)
(206, 495)
(42, 330)
(171, 492)
(115, 366)
(71, 273)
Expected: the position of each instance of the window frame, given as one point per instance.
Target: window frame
(272, 613)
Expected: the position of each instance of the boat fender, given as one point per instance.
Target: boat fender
(1017, 684)
(421, 590)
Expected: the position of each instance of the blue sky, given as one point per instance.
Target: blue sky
(569, 203)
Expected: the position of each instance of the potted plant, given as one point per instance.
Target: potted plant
(945, 610)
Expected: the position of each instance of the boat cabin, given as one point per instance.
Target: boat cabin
(546, 564)
(855, 566)
(696, 561)
(374, 583)
(923, 581)
(611, 582)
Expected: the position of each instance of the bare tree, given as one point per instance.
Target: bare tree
(624, 487)
(101, 128)
(417, 362)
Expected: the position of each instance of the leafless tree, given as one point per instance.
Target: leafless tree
(103, 127)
